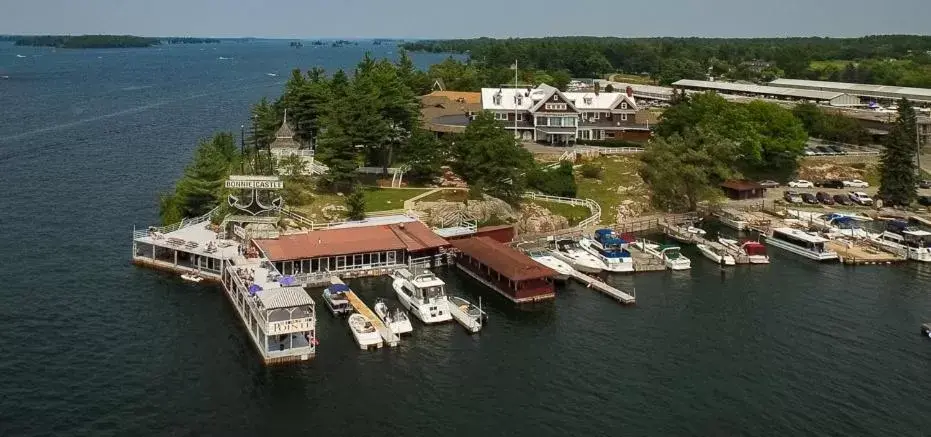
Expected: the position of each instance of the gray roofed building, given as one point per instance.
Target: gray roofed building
(862, 90)
(831, 97)
(284, 138)
(286, 297)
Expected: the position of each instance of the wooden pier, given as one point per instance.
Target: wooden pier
(858, 253)
(603, 287)
(389, 337)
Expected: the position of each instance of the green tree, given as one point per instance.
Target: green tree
(305, 98)
(555, 182)
(488, 155)
(424, 154)
(201, 187)
(355, 204)
(897, 173)
(782, 136)
(337, 152)
(417, 81)
(293, 165)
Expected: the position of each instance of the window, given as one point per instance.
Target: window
(555, 106)
(594, 115)
(500, 116)
(623, 105)
(555, 98)
(520, 117)
(391, 257)
(586, 134)
(357, 261)
(543, 121)
(340, 262)
(623, 117)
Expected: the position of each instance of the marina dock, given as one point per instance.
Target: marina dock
(859, 253)
(603, 287)
(389, 337)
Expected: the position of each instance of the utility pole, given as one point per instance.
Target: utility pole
(242, 149)
(516, 135)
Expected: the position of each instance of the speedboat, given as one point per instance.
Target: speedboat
(468, 315)
(905, 241)
(364, 331)
(686, 234)
(670, 255)
(571, 253)
(563, 270)
(610, 249)
(754, 251)
(715, 254)
(423, 294)
(192, 277)
(396, 320)
(336, 300)
(801, 243)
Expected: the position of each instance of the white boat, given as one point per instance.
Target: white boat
(686, 234)
(905, 241)
(395, 320)
(364, 331)
(716, 255)
(801, 243)
(610, 250)
(731, 220)
(423, 294)
(563, 270)
(834, 224)
(469, 316)
(192, 277)
(568, 251)
(754, 251)
(334, 297)
(670, 255)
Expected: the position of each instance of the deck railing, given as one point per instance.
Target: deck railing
(592, 206)
(139, 233)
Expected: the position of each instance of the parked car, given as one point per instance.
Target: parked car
(830, 183)
(861, 198)
(809, 152)
(838, 150)
(769, 184)
(856, 183)
(924, 184)
(824, 198)
(924, 200)
(841, 199)
(809, 198)
(801, 183)
(792, 197)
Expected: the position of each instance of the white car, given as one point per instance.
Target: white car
(856, 183)
(861, 198)
(801, 183)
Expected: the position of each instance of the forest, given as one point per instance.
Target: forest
(87, 41)
(667, 60)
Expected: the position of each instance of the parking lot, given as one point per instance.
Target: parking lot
(777, 193)
(816, 147)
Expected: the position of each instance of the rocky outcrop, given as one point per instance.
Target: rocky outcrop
(535, 219)
(630, 209)
(443, 213)
(332, 213)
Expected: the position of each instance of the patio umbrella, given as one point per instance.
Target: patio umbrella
(254, 287)
(287, 280)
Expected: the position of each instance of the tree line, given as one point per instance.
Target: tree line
(86, 41)
(671, 59)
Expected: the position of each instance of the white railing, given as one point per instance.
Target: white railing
(610, 150)
(307, 153)
(175, 226)
(592, 206)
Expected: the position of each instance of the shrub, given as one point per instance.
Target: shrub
(555, 182)
(591, 171)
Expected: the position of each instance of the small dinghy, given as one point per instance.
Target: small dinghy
(192, 277)
(395, 320)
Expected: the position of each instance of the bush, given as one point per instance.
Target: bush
(591, 171)
(555, 182)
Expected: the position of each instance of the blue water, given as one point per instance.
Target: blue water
(94, 346)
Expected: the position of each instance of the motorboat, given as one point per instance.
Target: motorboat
(471, 317)
(570, 252)
(834, 224)
(336, 300)
(686, 234)
(755, 252)
(192, 277)
(364, 331)
(732, 220)
(670, 255)
(563, 270)
(715, 254)
(423, 294)
(905, 241)
(610, 249)
(801, 243)
(395, 320)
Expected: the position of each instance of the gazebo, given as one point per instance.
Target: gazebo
(284, 138)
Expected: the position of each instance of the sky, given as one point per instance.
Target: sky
(465, 18)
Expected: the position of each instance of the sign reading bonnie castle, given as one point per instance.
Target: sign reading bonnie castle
(254, 183)
(257, 189)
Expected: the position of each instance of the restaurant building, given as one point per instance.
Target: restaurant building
(505, 270)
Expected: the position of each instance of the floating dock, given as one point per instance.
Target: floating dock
(603, 287)
(856, 253)
(389, 337)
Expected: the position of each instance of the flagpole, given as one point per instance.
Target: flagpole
(515, 98)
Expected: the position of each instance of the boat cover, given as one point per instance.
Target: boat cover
(338, 288)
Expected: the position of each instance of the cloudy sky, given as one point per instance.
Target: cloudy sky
(465, 18)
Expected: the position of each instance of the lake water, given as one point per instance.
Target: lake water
(94, 346)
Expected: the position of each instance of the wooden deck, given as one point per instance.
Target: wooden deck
(603, 287)
(861, 253)
(389, 337)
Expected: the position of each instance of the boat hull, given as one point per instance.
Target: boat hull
(580, 265)
(423, 312)
(817, 256)
(714, 256)
(912, 253)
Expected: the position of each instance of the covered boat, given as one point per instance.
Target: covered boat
(754, 251)
(334, 297)
(610, 249)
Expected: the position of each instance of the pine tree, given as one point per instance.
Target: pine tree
(336, 151)
(202, 186)
(897, 172)
(488, 155)
(355, 204)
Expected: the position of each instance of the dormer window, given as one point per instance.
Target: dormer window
(587, 100)
(623, 105)
(497, 98)
(555, 98)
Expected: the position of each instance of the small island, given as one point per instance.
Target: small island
(103, 41)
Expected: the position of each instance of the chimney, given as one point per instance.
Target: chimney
(630, 91)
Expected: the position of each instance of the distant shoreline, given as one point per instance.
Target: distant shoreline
(102, 41)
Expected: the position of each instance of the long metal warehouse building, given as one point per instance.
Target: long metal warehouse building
(885, 93)
(769, 92)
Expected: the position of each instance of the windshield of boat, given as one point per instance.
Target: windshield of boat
(671, 253)
(432, 292)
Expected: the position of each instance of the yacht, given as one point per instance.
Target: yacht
(423, 294)
(364, 331)
(834, 223)
(801, 243)
(905, 241)
(563, 270)
(395, 320)
(754, 251)
(568, 251)
(715, 254)
(670, 255)
(335, 299)
(610, 249)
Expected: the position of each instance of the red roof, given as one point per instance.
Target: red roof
(741, 185)
(411, 236)
(508, 262)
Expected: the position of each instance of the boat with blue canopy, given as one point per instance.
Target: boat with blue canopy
(335, 299)
(610, 249)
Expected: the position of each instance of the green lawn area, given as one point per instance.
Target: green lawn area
(632, 78)
(619, 171)
(573, 213)
(836, 63)
(447, 195)
(376, 199)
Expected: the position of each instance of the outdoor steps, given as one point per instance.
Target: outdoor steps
(389, 337)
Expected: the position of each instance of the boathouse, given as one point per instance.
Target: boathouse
(356, 248)
(742, 190)
(505, 270)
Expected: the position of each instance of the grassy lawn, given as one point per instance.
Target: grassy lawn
(376, 199)
(632, 78)
(447, 195)
(618, 172)
(573, 213)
